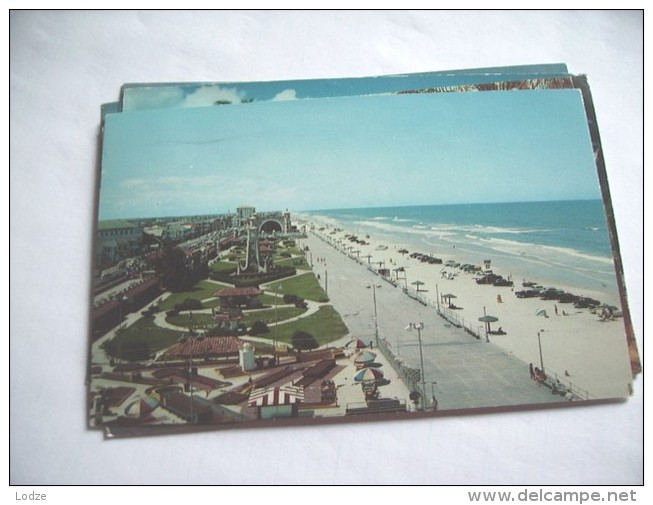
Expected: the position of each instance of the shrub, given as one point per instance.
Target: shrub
(189, 304)
(290, 298)
(304, 341)
(258, 328)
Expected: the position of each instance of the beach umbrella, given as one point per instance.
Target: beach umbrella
(487, 320)
(368, 374)
(448, 297)
(365, 357)
(358, 343)
(418, 284)
(541, 312)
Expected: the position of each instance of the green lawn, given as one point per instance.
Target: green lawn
(305, 286)
(220, 266)
(200, 291)
(325, 325)
(139, 341)
(268, 316)
(186, 321)
(266, 300)
(298, 262)
(271, 300)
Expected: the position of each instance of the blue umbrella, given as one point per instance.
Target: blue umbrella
(368, 374)
(365, 357)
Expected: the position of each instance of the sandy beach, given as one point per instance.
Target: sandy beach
(576, 345)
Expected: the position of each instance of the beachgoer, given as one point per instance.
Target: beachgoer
(555, 307)
(567, 374)
(434, 403)
(532, 371)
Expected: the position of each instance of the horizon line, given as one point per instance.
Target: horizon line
(228, 212)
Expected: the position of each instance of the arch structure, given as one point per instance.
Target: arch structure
(273, 223)
(260, 225)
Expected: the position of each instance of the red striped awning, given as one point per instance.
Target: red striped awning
(283, 395)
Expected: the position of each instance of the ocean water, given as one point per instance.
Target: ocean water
(564, 242)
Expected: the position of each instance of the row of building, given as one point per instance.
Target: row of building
(119, 239)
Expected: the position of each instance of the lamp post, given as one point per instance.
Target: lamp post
(190, 380)
(276, 322)
(376, 315)
(539, 343)
(419, 327)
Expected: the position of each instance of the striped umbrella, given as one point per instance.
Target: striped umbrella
(368, 374)
(365, 357)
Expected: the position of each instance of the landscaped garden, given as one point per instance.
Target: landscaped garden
(269, 316)
(200, 291)
(305, 286)
(140, 341)
(325, 325)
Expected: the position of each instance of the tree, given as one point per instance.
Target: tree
(259, 327)
(304, 341)
(179, 271)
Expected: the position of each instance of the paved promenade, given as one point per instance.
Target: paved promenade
(461, 371)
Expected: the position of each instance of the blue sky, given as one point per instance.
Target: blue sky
(364, 151)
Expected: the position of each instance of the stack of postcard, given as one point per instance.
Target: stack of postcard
(305, 252)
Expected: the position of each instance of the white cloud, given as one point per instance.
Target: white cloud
(286, 94)
(208, 95)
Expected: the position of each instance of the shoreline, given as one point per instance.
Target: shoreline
(581, 280)
(578, 346)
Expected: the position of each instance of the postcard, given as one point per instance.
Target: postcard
(138, 97)
(355, 257)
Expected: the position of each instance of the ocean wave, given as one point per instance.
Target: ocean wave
(546, 251)
(402, 220)
(482, 237)
(499, 230)
(390, 227)
(380, 218)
